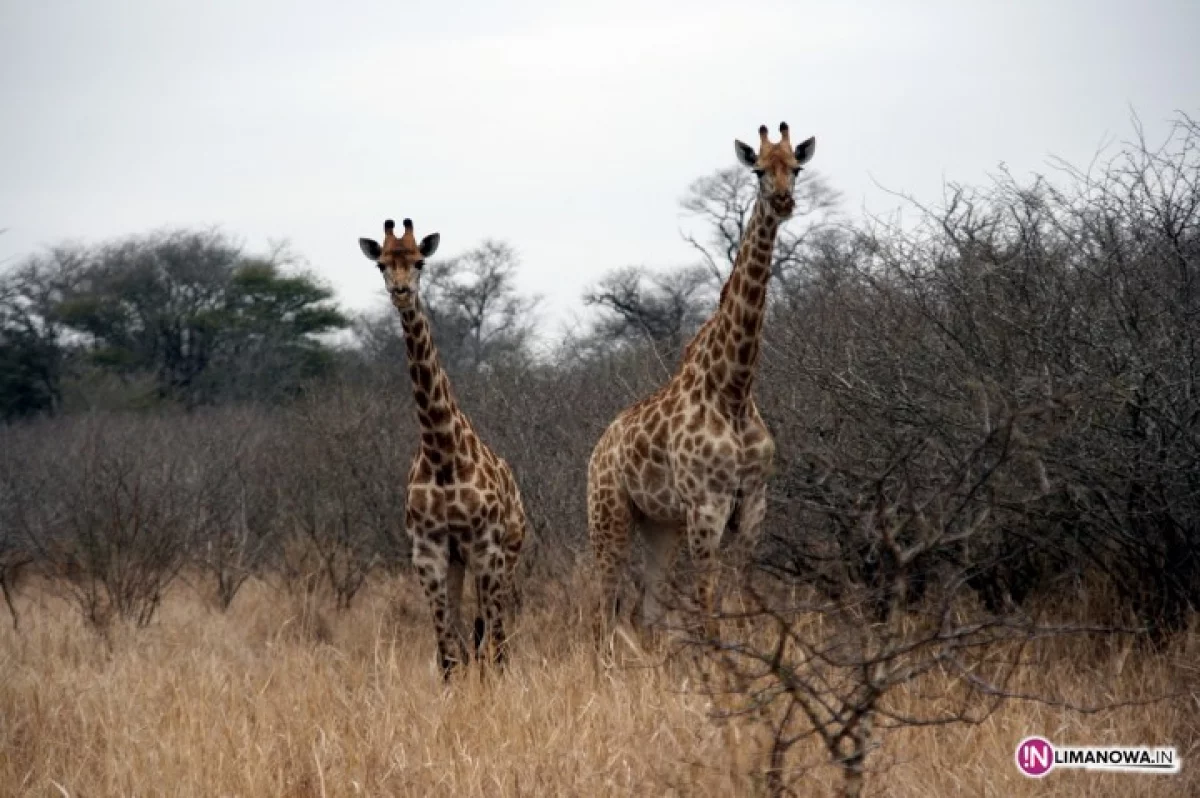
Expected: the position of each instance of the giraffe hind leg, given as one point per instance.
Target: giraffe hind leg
(609, 522)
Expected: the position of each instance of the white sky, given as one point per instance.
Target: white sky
(569, 129)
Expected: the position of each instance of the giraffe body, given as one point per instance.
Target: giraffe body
(691, 460)
(463, 508)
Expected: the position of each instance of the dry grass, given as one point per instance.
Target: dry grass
(261, 702)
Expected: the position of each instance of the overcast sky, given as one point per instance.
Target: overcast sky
(570, 130)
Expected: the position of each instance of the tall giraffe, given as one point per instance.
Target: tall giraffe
(692, 459)
(463, 507)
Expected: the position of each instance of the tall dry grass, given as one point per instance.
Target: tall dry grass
(277, 699)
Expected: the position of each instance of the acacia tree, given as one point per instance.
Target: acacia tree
(186, 311)
(34, 340)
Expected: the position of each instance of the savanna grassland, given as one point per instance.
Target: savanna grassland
(983, 520)
(279, 697)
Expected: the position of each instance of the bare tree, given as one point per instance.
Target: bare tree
(639, 306)
(722, 203)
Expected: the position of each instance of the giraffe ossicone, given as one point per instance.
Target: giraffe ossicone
(463, 509)
(691, 460)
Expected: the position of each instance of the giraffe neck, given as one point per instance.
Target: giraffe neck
(728, 353)
(437, 412)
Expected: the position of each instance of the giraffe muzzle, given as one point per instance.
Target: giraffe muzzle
(783, 204)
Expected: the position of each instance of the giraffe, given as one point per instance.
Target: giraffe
(692, 459)
(463, 506)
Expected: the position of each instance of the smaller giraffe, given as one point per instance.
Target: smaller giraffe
(464, 509)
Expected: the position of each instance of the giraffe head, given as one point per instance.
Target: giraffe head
(777, 166)
(400, 260)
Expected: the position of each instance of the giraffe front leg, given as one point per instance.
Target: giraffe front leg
(745, 530)
(490, 638)
(433, 566)
(495, 572)
(706, 522)
(750, 517)
(662, 541)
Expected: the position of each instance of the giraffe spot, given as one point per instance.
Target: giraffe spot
(438, 415)
(756, 272)
(754, 294)
(746, 352)
(421, 375)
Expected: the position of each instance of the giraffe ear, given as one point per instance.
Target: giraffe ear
(429, 244)
(745, 154)
(370, 248)
(805, 150)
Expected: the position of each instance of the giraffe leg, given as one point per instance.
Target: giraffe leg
(456, 573)
(706, 522)
(609, 520)
(433, 565)
(749, 519)
(663, 541)
(493, 587)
